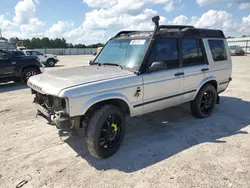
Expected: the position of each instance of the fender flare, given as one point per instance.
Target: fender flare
(86, 106)
(50, 58)
(204, 81)
(23, 67)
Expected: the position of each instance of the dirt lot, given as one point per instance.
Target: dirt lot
(169, 148)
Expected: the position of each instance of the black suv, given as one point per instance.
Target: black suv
(18, 68)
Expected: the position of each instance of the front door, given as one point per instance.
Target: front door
(163, 87)
(6, 65)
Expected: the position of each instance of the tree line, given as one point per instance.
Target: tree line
(45, 42)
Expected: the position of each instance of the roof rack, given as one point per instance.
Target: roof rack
(126, 33)
(180, 27)
(173, 31)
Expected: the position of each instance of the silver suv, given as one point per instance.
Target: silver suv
(137, 72)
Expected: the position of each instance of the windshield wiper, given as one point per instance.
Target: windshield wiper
(113, 64)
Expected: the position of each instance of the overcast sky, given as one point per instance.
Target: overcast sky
(91, 21)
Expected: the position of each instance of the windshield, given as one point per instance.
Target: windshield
(126, 52)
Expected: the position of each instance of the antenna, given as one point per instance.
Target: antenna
(1, 33)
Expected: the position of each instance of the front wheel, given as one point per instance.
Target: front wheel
(105, 131)
(51, 63)
(203, 104)
(27, 73)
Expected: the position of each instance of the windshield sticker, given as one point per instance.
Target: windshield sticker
(137, 42)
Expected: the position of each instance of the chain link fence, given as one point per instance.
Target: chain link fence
(68, 51)
(243, 42)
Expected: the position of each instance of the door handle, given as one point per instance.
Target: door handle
(205, 69)
(13, 63)
(179, 73)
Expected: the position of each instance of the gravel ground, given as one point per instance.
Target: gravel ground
(169, 148)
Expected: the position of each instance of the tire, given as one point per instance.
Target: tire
(203, 104)
(28, 72)
(50, 62)
(97, 144)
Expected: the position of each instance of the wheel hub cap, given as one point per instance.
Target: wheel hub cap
(110, 132)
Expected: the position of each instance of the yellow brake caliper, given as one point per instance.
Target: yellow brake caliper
(114, 127)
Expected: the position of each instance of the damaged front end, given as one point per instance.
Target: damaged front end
(54, 109)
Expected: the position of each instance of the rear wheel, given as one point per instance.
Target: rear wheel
(51, 63)
(105, 131)
(203, 104)
(27, 73)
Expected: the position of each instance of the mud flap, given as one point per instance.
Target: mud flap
(218, 99)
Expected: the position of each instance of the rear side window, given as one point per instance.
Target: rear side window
(218, 50)
(192, 53)
(28, 53)
(35, 53)
(165, 51)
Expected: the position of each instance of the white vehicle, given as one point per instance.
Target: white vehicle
(48, 60)
(136, 73)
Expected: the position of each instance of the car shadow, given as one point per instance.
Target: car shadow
(154, 137)
(12, 86)
(59, 65)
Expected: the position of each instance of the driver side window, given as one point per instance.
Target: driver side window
(165, 50)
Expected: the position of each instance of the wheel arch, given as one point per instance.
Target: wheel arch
(50, 58)
(28, 67)
(209, 80)
(121, 103)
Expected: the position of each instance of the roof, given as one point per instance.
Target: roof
(184, 31)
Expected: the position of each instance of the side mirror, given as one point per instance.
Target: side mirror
(156, 66)
(90, 62)
(94, 53)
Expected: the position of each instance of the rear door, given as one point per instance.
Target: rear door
(195, 66)
(7, 66)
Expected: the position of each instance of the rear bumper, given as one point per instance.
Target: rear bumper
(59, 119)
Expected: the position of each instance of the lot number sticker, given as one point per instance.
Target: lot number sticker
(137, 42)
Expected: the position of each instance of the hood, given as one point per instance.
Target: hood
(53, 83)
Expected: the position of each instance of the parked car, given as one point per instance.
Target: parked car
(48, 60)
(236, 50)
(18, 68)
(137, 72)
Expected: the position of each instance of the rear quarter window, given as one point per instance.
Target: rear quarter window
(218, 50)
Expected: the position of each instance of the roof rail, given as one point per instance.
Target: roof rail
(180, 27)
(128, 32)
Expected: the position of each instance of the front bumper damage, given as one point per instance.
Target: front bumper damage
(53, 109)
(59, 119)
